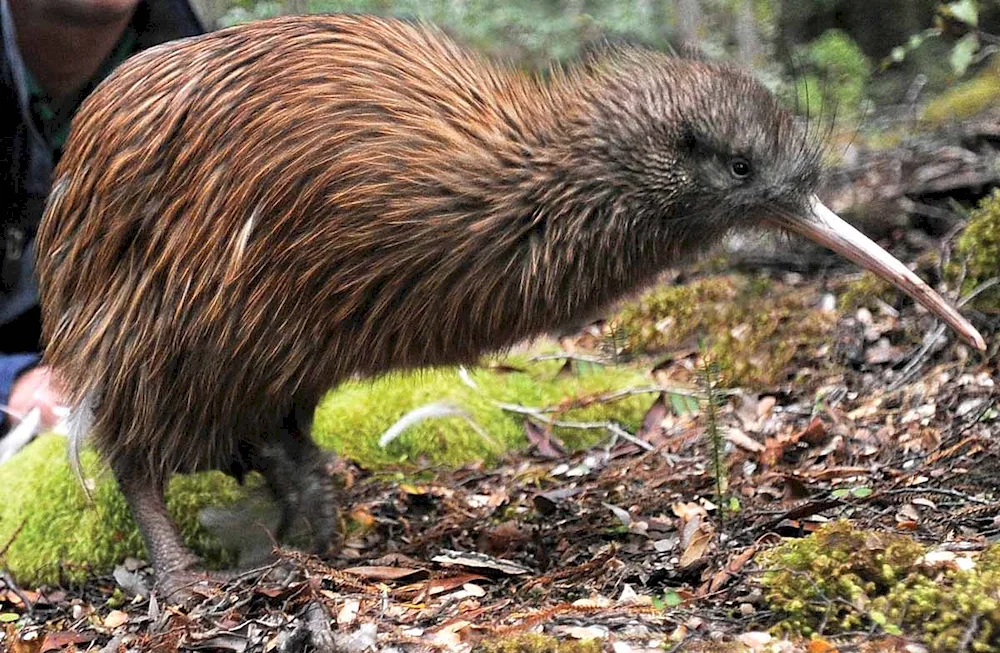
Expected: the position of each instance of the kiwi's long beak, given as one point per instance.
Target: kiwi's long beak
(825, 227)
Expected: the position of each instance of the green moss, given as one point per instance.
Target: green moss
(351, 419)
(531, 643)
(968, 98)
(979, 247)
(753, 330)
(838, 76)
(866, 290)
(842, 579)
(66, 538)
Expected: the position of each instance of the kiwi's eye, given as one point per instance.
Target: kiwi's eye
(739, 167)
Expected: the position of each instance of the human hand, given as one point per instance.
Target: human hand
(36, 388)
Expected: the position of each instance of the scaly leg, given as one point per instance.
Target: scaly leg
(176, 567)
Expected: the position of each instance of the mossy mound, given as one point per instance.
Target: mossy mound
(979, 246)
(967, 99)
(841, 579)
(65, 537)
(753, 329)
(56, 535)
(351, 419)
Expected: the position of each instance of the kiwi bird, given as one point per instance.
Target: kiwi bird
(242, 220)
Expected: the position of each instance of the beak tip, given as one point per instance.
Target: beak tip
(825, 227)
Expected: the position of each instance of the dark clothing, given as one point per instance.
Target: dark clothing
(32, 136)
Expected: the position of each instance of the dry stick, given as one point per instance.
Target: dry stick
(5, 575)
(539, 414)
(923, 353)
(114, 644)
(970, 632)
(615, 429)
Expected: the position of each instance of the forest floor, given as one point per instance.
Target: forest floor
(627, 545)
(636, 543)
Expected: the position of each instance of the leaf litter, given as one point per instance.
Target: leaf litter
(627, 541)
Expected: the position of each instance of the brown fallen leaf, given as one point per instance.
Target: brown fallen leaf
(115, 618)
(439, 585)
(652, 422)
(24, 642)
(541, 438)
(820, 646)
(696, 536)
(743, 441)
(60, 639)
(503, 538)
(274, 591)
(775, 448)
(732, 568)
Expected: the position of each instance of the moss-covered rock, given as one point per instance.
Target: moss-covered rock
(752, 329)
(979, 247)
(55, 534)
(843, 579)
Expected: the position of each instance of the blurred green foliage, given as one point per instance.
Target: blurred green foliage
(835, 77)
(818, 55)
(530, 33)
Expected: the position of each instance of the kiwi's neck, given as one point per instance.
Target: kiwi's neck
(567, 226)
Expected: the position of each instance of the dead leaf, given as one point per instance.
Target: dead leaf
(814, 433)
(60, 639)
(24, 642)
(743, 441)
(698, 540)
(623, 515)
(755, 640)
(541, 438)
(348, 612)
(820, 646)
(653, 420)
(115, 618)
(450, 635)
(721, 577)
(479, 561)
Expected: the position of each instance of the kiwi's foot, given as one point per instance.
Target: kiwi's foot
(189, 585)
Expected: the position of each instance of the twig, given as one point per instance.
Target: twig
(923, 353)
(12, 586)
(955, 494)
(611, 427)
(969, 633)
(114, 644)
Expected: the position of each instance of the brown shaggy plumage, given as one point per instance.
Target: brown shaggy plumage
(242, 220)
